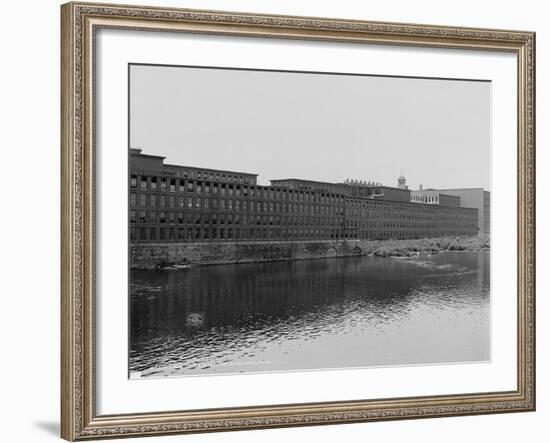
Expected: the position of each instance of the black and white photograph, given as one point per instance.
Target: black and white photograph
(299, 221)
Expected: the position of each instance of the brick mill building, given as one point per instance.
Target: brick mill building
(172, 203)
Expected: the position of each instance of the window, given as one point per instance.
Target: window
(162, 217)
(152, 234)
(142, 217)
(133, 181)
(163, 184)
(133, 198)
(154, 183)
(143, 182)
(132, 216)
(172, 185)
(162, 201)
(153, 200)
(143, 200)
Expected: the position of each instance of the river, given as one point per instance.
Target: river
(314, 314)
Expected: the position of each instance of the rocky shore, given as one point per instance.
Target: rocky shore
(185, 255)
(411, 248)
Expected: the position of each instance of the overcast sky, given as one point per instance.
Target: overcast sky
(315, 126)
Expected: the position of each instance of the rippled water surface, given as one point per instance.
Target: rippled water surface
(348, 312)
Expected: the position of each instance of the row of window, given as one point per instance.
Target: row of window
(264, 206)
(153, 217)
(248, 233)
(197, 218)
(370, 223)
(212, 175)
(170, 201)
(177, 185)
(201, 234)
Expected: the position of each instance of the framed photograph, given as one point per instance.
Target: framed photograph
(281, 221)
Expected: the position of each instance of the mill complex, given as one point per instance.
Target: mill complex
(173, 203)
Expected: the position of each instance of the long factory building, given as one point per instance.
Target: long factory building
(173, 203)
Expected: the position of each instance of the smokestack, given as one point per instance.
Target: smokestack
(420, 187)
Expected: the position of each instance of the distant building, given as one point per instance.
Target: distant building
(434, 197)
(479, 199)
(190, 204)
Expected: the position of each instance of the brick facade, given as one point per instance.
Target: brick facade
(187, 204)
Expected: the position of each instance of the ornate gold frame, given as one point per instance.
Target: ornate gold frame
(79, 21)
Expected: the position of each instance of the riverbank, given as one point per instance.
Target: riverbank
(184, 255)
(410, 248)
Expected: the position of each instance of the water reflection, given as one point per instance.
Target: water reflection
(357, 311)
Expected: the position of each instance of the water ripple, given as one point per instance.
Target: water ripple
(359, 311)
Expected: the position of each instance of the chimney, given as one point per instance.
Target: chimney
(420, 187)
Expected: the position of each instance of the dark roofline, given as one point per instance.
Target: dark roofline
(339, 184)
(305, 181)
(139, 152)
(210, 169)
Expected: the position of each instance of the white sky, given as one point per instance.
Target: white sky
(315, 126)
